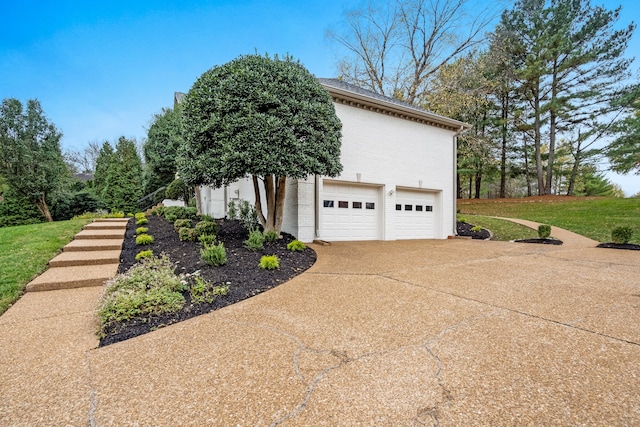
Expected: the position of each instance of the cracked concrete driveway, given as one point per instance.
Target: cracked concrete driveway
(445, 333)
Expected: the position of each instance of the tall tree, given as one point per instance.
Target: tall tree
(395, 47)
(123, 181)
(265, 118)
(624, 151)
(30, 155)
(570, 67)
(160, 149)
(103, 161)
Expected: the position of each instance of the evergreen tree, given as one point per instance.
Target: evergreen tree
(160, 149)
(30, 156)
(123, 180)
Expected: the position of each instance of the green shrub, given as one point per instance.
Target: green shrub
(181, 223)
(154, 212)
(142, 221)
(296, 245)
(147, 289)
(462, 219)
(144, 239)
(207, 239)
(141, 230)
(476, 229)
(215, 255)
(140, 215)
(203, 291)
(205, 217)
(255, 242)
(271, 236)
(269, 262)
(187, 234)
(175, 212)
(622, 234)
(544, 231)
(115, 214)
(179, 190)
(191, 212)
(144, 254)
(232, 210)
(206, 227)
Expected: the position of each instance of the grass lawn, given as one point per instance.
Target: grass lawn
(25, 251)
(502, 230)
(590, 217)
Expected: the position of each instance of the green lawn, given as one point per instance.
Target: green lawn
(503, 231)
(25, 251)
(590, 217)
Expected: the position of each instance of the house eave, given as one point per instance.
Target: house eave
(345, 97)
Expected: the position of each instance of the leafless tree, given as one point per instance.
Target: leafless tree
(395, 47)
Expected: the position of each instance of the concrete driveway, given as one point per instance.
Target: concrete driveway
(448, 333)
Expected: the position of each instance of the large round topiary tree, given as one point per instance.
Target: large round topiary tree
(267, 118)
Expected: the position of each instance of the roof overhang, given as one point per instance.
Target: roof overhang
(357, 100)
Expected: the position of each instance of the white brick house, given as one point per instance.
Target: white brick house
(398, 178)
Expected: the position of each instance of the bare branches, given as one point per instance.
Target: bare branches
(395, 48)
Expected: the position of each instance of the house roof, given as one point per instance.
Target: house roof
(350, 94)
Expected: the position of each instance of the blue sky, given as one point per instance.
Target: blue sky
(102, 69)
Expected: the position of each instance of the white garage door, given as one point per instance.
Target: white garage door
(350, 212)
(415, 215)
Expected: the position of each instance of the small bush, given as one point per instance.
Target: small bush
(271, 236)
(191, 212)
(175, 212)
(621, 235)
(206, 227)
(143, 221)
(171, 217)
(255, 242)
(147, 289)
(476, 229)
(544, 231)
(462, 219)
(140, 215)
(203, 291)
(114, 214)
(205, 217)
(207, 239)
(232, 210)
(144, 239)
(248, 215)
(155, 212)
(187, 234)
(181, 223)
(144, 254)
(269, 262)
(141, 230)
(215, 255)
(296, 245)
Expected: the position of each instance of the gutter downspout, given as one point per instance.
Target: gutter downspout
(455, 174)
(316, 216)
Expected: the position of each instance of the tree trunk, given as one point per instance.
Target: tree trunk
(258, 204)
(574, 172)
(503, 156)
(478, 184)
(270, 190)
(537, 143)
(527, 175)
(552, 129)
(281, 192)
(41, 204)
(198, 200)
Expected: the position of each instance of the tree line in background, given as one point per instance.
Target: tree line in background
(548, 91)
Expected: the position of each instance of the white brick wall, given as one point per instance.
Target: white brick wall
(385, 150)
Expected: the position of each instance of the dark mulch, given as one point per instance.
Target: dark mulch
(242, 273)
(629, 246)
(540, 241)
(464, 229)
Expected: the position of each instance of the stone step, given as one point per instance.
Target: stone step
(75, 258)
(72, 277)
(100, 234)
(105, 226)
(94, 245)
(112, 220)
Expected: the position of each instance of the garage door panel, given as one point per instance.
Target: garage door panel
(359, 218)
(415, 215)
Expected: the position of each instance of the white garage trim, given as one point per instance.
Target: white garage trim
(350, 211)
(417, 214)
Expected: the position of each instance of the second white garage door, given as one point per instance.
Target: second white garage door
(415, 214)
(350, 212)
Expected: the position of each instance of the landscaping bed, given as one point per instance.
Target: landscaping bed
(628, 246)
(241, 273)
(466, 229)
(540, 241)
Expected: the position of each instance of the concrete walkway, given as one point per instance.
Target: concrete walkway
(446, 333)
(568, 238)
